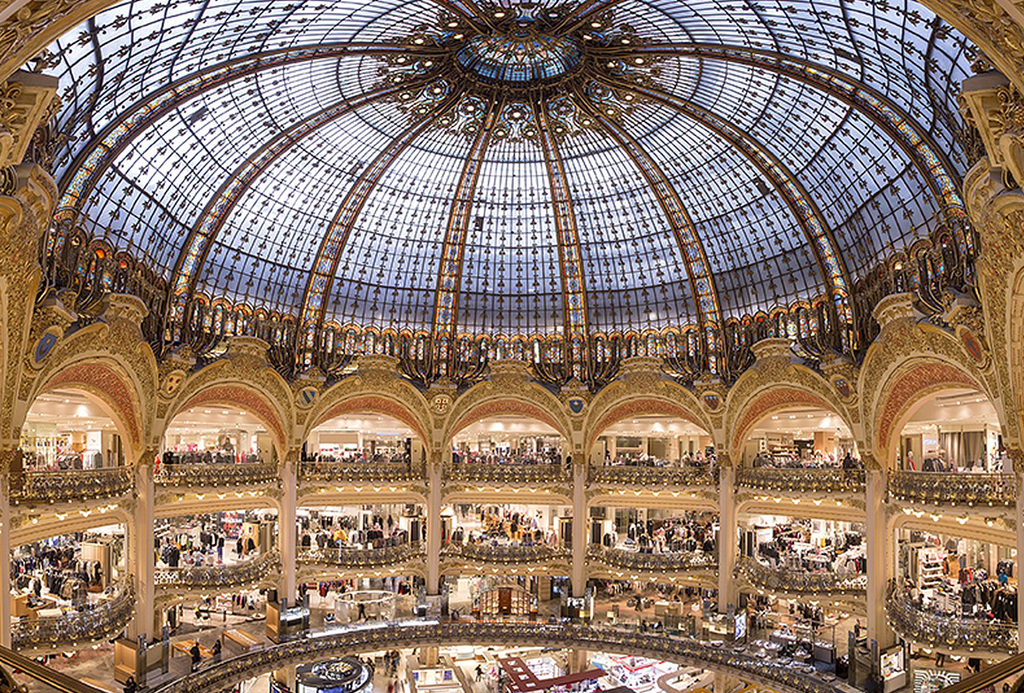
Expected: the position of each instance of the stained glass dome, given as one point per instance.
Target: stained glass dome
(514, 168)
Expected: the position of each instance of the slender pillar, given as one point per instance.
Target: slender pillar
(879, 556)
(435, 468)
(727, 541)
(579, 524)
(143, 561)
(1017, 458)
(286, 524)
(6, 463)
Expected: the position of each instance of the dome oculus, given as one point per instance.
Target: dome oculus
(520, 59)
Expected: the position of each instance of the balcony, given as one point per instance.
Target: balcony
(660, 562)
(654, 476)
(915, 624)
(216, 475)
(352, 557)
(763, 671)
(814, 480)
(944, 488)
(800, 582)
(481, 473)
(218, 576)
(485, 553)
(101, 622)
(70, 485)
(384, 472)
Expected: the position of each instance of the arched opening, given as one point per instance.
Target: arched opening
(362, 437)
(952, 430)
(653, 440)
(208, 440)
(800, 437)
(503, 440)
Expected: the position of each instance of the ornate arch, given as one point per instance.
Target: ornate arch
(507, 395)
(508, 406)
(240, 395)
(107, 384)
(645, 405)
(904, 392)
(55, 525)
(369, 402)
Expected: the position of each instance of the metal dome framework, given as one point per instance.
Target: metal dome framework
(568, 183)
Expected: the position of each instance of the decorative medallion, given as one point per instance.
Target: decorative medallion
(307, 396)
(712, 400)
(972, 345)
(441, 403)
(577, 404)
(173, 381)
(45, 346)
(842, 386)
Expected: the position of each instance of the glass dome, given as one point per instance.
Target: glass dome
(513, 168)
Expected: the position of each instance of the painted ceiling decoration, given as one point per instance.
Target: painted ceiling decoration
(537, 178)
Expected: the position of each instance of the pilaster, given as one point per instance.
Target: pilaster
(880, 555)
(142, 559)
(6, 459)
(435, 469)
(727, 539)
(580, 522)
(286, 523)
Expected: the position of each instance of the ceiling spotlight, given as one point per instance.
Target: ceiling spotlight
(418, 41)
(638, 61)
(595, 25)
(453, 24)
(499, 15)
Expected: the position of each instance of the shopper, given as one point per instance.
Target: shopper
(216, 652)
(130, 686)
(197, 655)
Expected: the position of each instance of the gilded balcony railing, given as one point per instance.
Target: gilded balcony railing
(800, 582)
(809, 480)
(913, 623)
(358, 471)
(480, 473)
(102, 621)
(70, 485)
(661, 562)
(944, 488)
(654, 476)
(216, 474)
(218, 576)
(485, 553)
(776, 674)
(353, 557)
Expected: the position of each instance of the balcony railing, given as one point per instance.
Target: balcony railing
(915, 624)
(654, 476)
(358, 471)
(812, 480)
(661, 562)
(103, 621)
(485, 553)
(800, 582)
(352, 557)
(778, 675)
(218, 576)
(507, 473)
(944, 488)
(71, 485)
(216, 474)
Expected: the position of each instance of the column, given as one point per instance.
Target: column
(6, 464)
(286, 524)
(142, 549)
(579, 524)
(435, 468)
(879, 555)
(1017, 458)
(727, 541)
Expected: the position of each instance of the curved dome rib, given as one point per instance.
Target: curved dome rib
(584, 12)
(574, 292)
(901, 128)
(192, 257)
(93, 160)
(702, 283)
(321, 275)
(820, 237)
(449, 280)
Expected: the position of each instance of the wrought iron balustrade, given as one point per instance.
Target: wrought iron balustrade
(70, 485)
(218, 576)
(473, 472)
(916, 624)
(358, 471)
(805, 480)
(485, 553)
(355, 557)
(800, 582)
(662, 562)
(101, 621)
(654, 476)
(783, 677)
(195, 474)
(945, 488)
